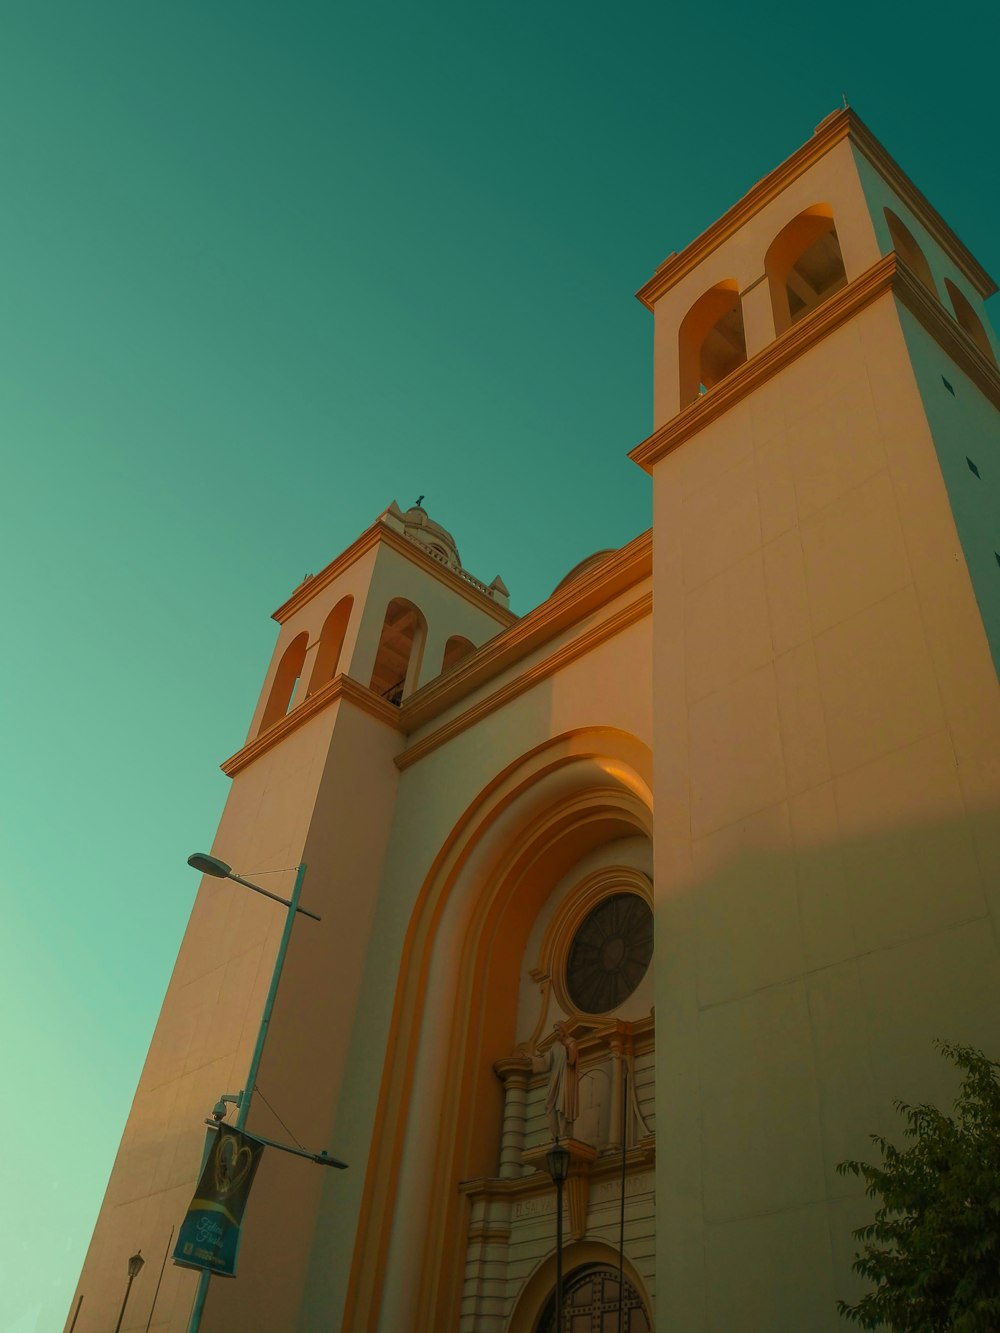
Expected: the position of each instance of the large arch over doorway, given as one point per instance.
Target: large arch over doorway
(532, 1304)
(439, 1111)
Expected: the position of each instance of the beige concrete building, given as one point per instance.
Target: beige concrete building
(770, 726)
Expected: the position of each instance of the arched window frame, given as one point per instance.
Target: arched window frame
(399, 687)
(716, 316)
(286, 677)
(457, 647)
(793, 243)
(970, 321)
(331, 643)
(906, 246)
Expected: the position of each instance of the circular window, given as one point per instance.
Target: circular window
(610, 953)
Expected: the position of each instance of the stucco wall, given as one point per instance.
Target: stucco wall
(825, 862)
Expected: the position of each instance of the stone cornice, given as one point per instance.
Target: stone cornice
(890, 274)
(565, 608)
(308, 589)
(921, 207)
(774, 357)
(341, 687)
(526, 680)
(606, 1167)
(834, 129)
(371, 537)
(947, 332)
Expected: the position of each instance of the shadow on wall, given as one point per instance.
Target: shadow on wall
(809, 986)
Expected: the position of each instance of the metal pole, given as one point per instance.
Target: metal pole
(121, 1312)
(159, 1279)
(621, 1219)
(265, 1018)
(293, 904)
(559, 1290)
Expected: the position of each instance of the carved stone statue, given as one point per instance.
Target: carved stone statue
(561, 1103)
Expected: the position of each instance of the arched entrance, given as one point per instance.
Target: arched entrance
(591, 1304)
(440, 1117)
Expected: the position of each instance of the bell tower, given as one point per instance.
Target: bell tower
(826, 591)
(315, 782)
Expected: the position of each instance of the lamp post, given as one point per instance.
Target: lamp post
(557, 1160)
(211, 865)
(134, 1268)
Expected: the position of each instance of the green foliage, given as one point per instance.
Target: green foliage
(933, 1249)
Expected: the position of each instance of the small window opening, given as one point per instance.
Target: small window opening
(397, 662)
(973, 468)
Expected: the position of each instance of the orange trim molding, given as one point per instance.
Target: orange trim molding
(560, 612)
(787, 347)
(526, 855)
(309, 587)
(341, 687)
(380, 532)
(890, 274)
(564, 609)
(834, 129)
(553, 955)
(947, 332)
(592, 638)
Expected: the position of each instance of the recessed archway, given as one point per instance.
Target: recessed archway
(455, 649)
(279, 701)
(331, 641)
(909, 251)
(804, 266)
(711, 341)
(400, 649)
(969, 320)
(531, 1313)
(466, 938)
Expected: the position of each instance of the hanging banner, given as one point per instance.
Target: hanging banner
(209, 1237)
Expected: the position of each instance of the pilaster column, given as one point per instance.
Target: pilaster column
(513, 1071)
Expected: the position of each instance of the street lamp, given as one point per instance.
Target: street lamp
(134, 1268)
(557, 1160)
(211, 865)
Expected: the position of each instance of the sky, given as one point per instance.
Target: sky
(263, 269)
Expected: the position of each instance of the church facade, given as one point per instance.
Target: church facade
(687, 867)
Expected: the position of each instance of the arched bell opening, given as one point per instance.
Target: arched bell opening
(279, 701)
(331, 643)
(400, 650)
(905, 245)
(455, 649)
(711, 341)
(804, 266)
(970, 321)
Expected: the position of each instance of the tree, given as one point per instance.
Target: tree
(933, 1249)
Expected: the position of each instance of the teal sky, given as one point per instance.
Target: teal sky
(263, 269)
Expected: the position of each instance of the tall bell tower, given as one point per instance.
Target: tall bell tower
(826, 472)
(315, 782)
